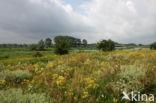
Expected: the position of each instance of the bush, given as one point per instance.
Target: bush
(106, 45)
(62, 47)
(17, 96)
(16, 76)
(2, 67)
(37, 54)
(153, 46)
(130, 77)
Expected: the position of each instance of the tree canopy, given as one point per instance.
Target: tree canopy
(106, 45)
(73, 42)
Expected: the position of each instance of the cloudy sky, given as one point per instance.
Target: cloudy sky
(124, 21)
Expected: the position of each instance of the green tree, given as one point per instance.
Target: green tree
(153, 46)
(40, 45)
(48, 42)
(62, 47)
(73, 42)
(106, 45)
(84, 42)
(33, 47)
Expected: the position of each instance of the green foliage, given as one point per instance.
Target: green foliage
(131, 75)
(37, 54)
(2, 67)
(41, 45)
(48, 42)
(17, 96)
(73, 42)
(13, 45)
(153, 46)
(37, 47)
(16, 76)
(106, 45)
(33, 47)
(62, 47)
(84, 42)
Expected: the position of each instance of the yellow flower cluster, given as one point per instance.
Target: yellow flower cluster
(24, 82)
(115, 100)
(51, 64)
(87, 62)
(60, 80)
(38, 69)
(2, 82)
(55, 75)
(85, 94)
(69, 92)
(90, 83)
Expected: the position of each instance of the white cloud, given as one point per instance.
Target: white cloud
(121, 20)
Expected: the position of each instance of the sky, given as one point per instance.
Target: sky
(124, 21)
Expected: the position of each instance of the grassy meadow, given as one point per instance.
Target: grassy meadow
(78, 77)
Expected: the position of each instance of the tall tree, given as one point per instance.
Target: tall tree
(62, 47)
(84, 42)
(40, 45)
(48, 42)
(153, 46)
(73, 42)
(106, 45)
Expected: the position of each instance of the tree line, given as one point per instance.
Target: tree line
(48, 43)
(62, 44)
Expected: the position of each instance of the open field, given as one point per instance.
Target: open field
(90, 77)
(13, 53)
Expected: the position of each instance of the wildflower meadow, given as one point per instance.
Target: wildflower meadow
(87, 77)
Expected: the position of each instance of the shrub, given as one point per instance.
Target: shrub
(62, 47)
(37, 54)
(130, 77)
(153, 46)
(106, 45)
(2, 67)
(16, 76)
(4, 57)
(17, 96)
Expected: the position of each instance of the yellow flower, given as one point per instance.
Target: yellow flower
(85, 94)
(2, 82)
(97, 72)
(115, 100)
(69, 92)
(73, 59)
(87, 62)
(25, 81)
(51, 64)
(69, 69)
(60, 80)
(55, 75)
(90, 83)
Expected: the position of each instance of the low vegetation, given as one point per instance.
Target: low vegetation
(62, 47)
(106, 45)
(98, 77)
(153, 46)
(17, 96)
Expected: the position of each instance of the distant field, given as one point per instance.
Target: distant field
(12, 53)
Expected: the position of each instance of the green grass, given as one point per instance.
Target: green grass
(12, 53)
